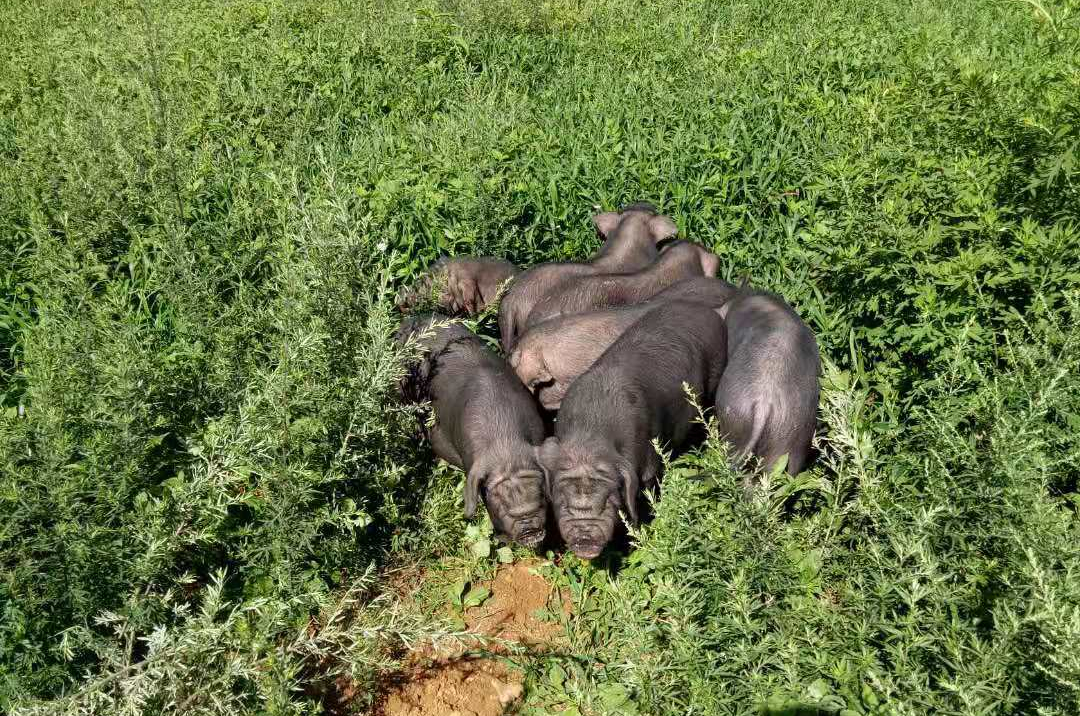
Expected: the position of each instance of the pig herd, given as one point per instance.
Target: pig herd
(603, 358)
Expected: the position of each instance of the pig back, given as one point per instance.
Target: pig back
(707, 290)
(769, 341)
(528, 289)
(635, 389)
(678, 262)
(482, 407)
(767, 399)
(433, 333)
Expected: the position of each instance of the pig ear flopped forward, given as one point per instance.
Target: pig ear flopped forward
(605, 223)
(662, 228)
(472, 491)
(546, 454)
(630, 493)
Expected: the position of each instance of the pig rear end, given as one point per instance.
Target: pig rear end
(766, 400)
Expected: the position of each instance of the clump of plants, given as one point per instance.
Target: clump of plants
(206, 210)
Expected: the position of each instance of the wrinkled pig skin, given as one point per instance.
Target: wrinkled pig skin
(602, 453)
(486, 423)
(679, 261)
(767, 399)
(466, 284)
(551, 355)
(630, 242)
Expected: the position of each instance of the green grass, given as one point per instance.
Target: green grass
(205, 208)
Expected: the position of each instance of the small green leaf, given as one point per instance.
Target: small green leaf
(818, 690)
(556, 676)
(481, 548)
(505, 554)
(476, 597)
(456, 590)
(613, 695)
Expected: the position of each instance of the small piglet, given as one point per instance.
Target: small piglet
(602, 452)
(766, 402)
(552, 354)
(630, 239)
(465, 284)
(486, 423)
(678, 261)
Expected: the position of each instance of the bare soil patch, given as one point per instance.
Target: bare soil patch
(451, 682)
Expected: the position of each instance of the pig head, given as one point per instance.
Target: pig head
(588, 486)
(630, 237)
(514, 492)
(552, 354)
(464, 284)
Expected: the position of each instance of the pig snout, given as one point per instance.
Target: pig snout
(527, 530)
(586, 538)
(587, 512)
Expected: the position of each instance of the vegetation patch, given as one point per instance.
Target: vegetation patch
(208, 488)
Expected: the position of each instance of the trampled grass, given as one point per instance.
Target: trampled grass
(205, 208)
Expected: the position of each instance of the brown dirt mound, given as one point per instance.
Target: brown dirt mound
(450, 683)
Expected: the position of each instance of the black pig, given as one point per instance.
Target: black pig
(466, 284)
(486, 423)
(631, 236)
(602, 452)
(766, 402)
(552, 354)
(679, 261)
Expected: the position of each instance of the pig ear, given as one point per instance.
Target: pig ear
(605, 223)
(546, 454)
(631, 485)
(473, 480)
(662, 228)
(543, 375)
(710, 263)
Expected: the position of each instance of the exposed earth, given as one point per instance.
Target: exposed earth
(450, 681)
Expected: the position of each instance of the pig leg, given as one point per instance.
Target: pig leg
(743, 426)
(467, 295)
(444, 448)
(650, 480)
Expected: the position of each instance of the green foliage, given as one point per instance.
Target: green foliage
(205, 208)
(944, 582)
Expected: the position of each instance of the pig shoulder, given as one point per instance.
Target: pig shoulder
(528, 288)
(482, 404)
